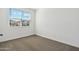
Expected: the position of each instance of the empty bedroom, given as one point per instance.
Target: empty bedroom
(39, 29)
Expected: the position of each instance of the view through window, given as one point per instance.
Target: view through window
(19, 17)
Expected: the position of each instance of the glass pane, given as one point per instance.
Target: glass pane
(26, 16)
(15, 17)
(14, 13)
(19, 18)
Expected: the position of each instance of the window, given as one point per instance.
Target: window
(19, 18)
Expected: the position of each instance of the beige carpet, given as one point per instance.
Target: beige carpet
(35, 43)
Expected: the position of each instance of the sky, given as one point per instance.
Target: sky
(14, 13)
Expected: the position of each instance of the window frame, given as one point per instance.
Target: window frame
(21, 19)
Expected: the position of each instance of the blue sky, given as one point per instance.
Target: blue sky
(14, 13)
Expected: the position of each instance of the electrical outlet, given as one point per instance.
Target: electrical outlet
(1, 34)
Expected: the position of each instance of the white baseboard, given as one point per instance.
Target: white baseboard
(14, 38)
(52, 38)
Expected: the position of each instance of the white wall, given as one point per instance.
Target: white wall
(59, 24)
(15, 32)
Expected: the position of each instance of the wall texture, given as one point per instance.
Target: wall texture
(59, 24)
(14, 32)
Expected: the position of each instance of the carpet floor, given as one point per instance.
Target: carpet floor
(35, 43)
